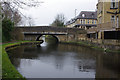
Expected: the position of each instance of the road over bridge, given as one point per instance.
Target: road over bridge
(63, 34)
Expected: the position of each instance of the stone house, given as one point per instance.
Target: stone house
(85, 20)
(108, 16)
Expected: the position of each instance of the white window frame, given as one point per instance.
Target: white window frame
(113, 4)
(113, 20)
(88, 21)
(117, 3)
(81, 21)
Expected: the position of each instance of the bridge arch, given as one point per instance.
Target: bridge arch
(57, 39)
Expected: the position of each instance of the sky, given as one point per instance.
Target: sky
(47, 11)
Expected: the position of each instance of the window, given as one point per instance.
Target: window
(83, 15)
(88, 22)
(113, 4)
(95, 21)
(112, 18)
(81, 21)
(117, 3)
(92, 21)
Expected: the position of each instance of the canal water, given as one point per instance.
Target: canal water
(64, 61)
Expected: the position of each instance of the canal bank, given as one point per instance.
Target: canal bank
(64, 61)
(8, 70)
(96, 46)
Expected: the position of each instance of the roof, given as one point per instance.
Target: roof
(84, 15)
(87, 15)
(71, 21)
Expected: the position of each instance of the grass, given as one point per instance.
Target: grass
(8, 70)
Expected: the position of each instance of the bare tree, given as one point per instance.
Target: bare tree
(59, 20)
(10, 8)
(30, 21)
(15, 4)
(13, 15)
(61, 17)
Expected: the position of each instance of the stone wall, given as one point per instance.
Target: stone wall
(102, 27)
(106, 44)
(51, 29)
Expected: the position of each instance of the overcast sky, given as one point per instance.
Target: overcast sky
(46, 12)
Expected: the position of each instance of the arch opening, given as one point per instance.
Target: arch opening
(48, 36)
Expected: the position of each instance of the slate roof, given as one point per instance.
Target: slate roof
(87, 15)
(71, 21)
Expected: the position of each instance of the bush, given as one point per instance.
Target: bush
(7, 27)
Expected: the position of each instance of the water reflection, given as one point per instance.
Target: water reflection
(44, 44)
(64, 61)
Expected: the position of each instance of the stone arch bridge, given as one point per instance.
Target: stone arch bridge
(62, 34)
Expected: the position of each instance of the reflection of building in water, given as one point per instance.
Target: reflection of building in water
(108, 66)
(88, 65)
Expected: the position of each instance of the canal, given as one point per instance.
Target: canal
(52, 60)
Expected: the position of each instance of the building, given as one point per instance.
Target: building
(108, 12)
(108, 16)
(85, 20)
(71, 23)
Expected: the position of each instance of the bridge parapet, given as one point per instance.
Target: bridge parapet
(52, 29)
(44, 33)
